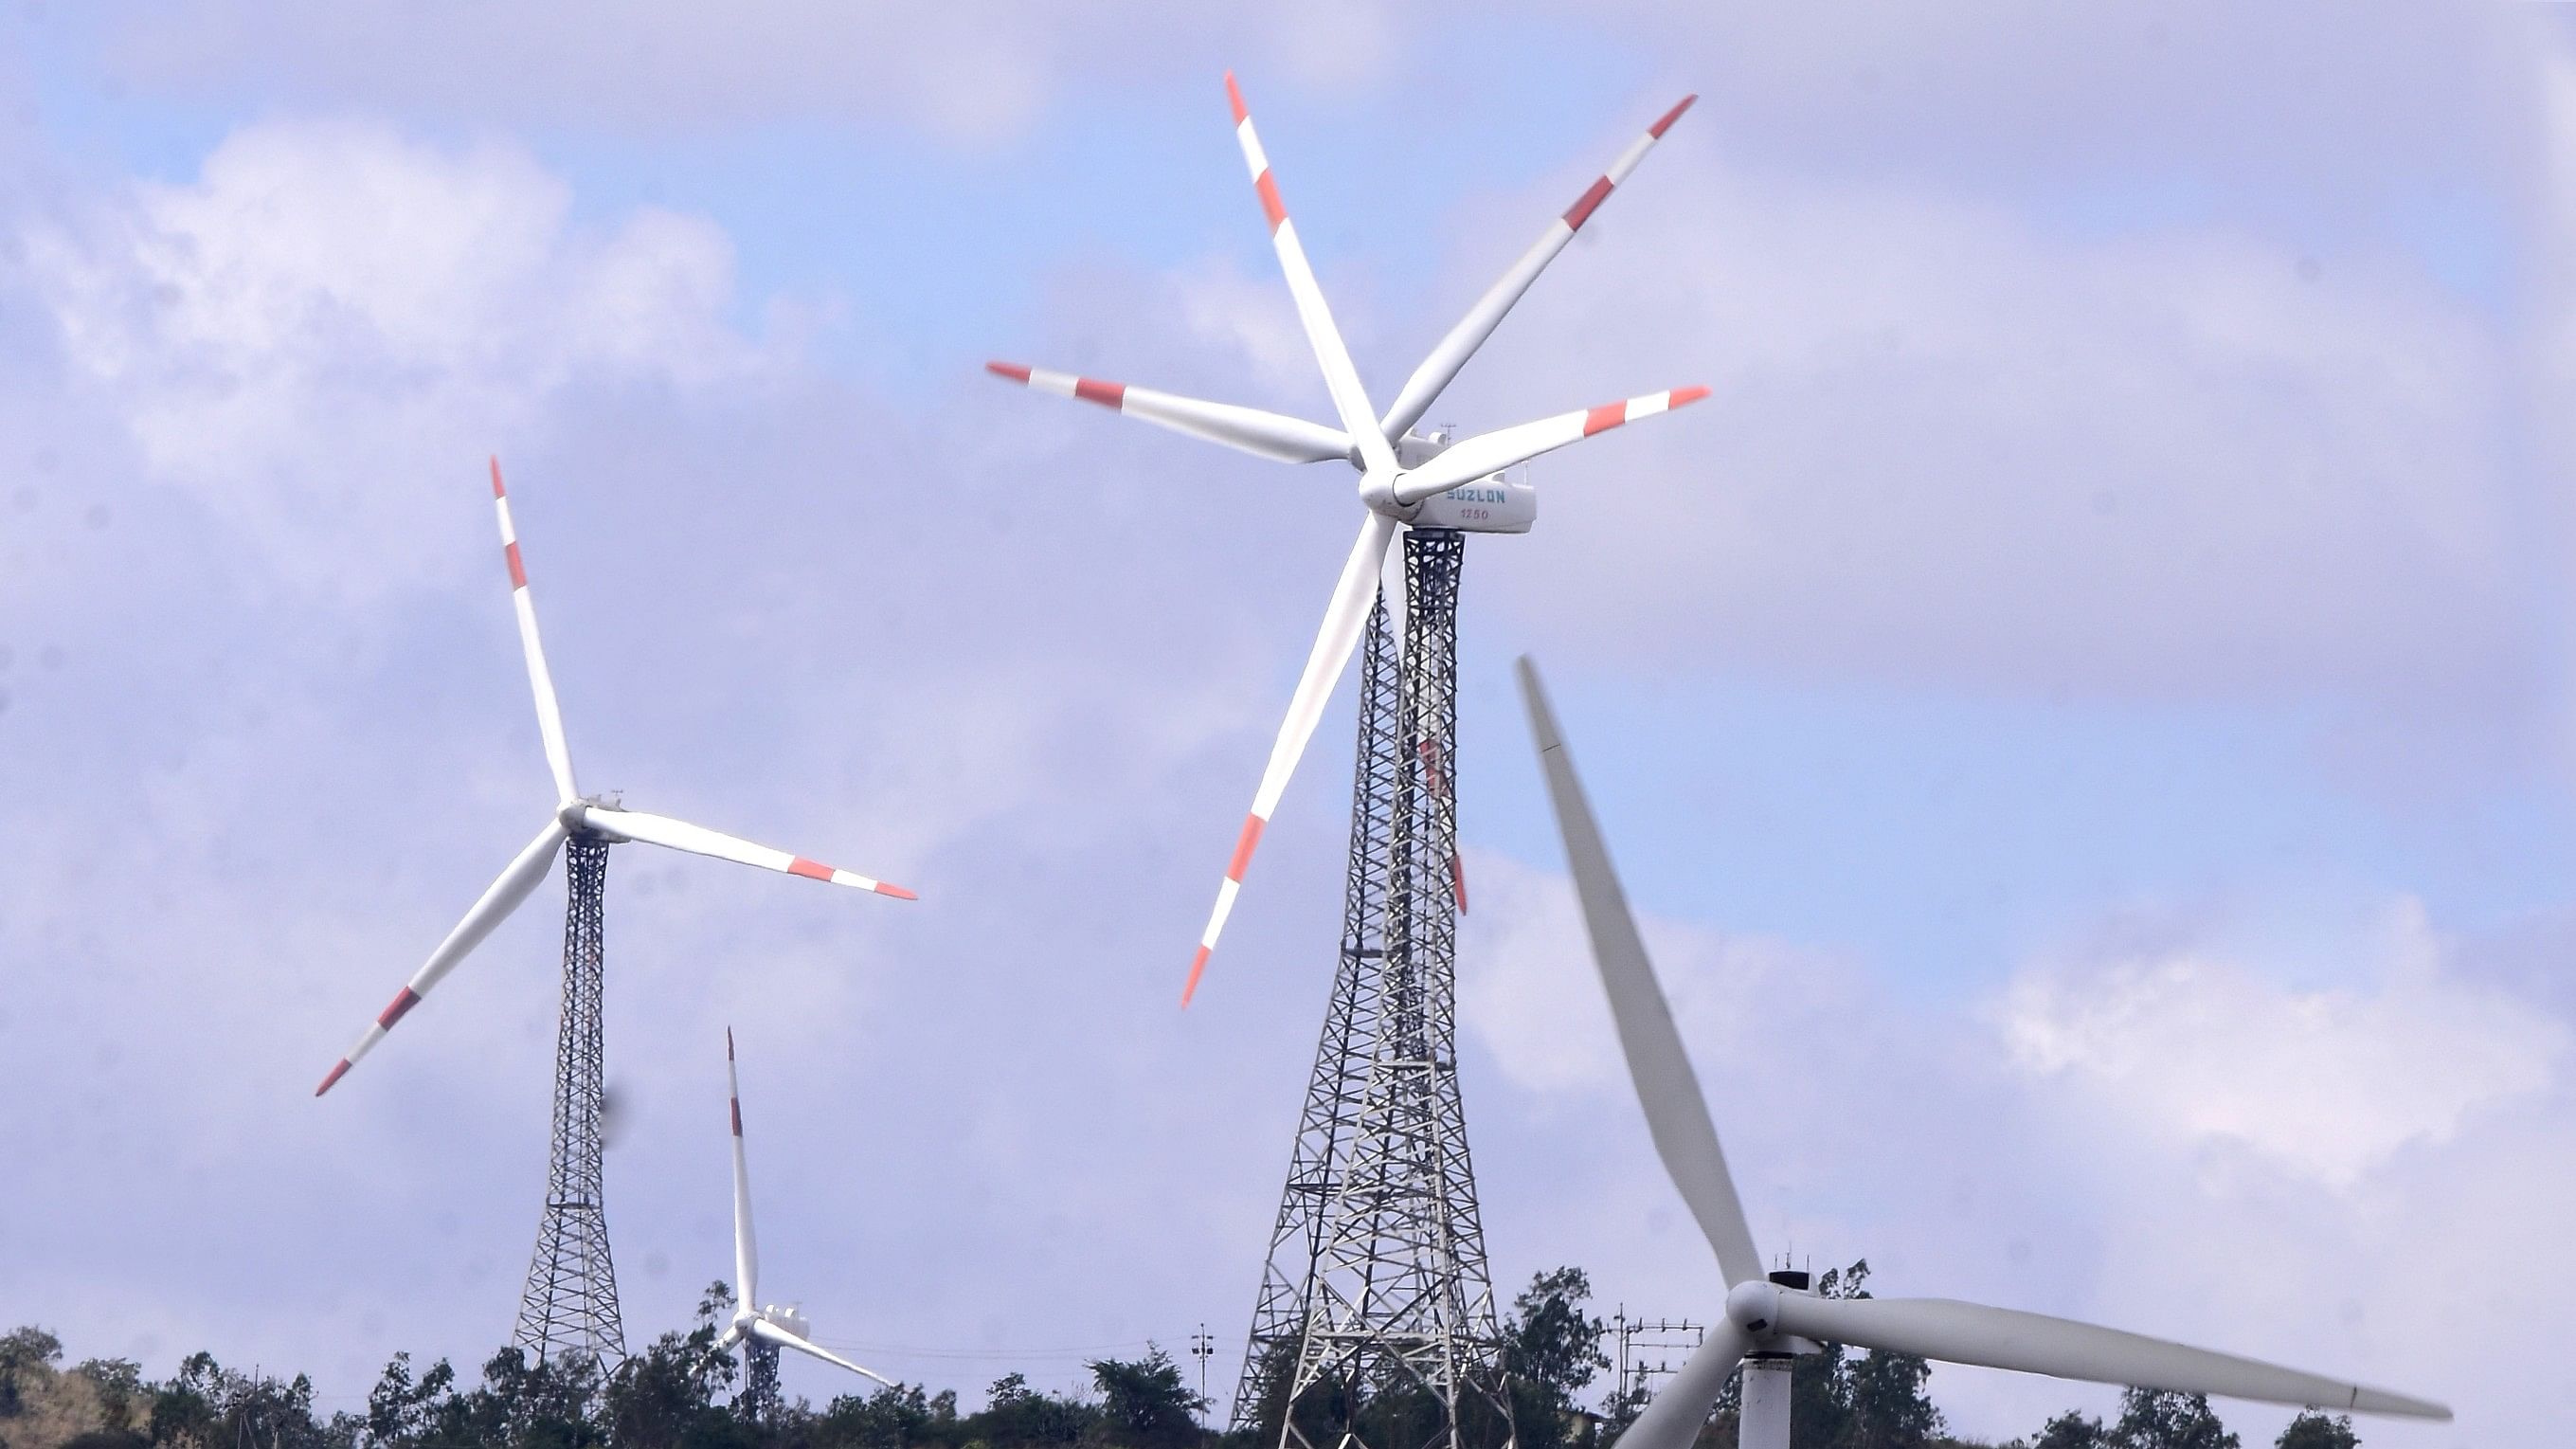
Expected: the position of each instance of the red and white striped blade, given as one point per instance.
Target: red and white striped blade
(495, 906)
(746, 1252)
(763, 1328)
(698, 840)
(549, 714)
(1492, 452)
(1350, 401)
(1252, 430)
(1353, 596)
(1437, 370)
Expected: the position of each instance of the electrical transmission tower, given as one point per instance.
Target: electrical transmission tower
(571, 1301)
(1375, 1325)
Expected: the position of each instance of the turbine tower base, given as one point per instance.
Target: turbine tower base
(571, 1301)
(1375, 1325)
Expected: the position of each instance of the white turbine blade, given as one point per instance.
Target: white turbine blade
(732, 1335)
(1971, 1333)
(1437, 370)
(746, 1252)
(1493, 452)
(1253, 430)
(1673, 1418)
(777, 1335)
(1350, 402)
(1667, 1088)
(495, 906)
(1343, 619)
(697, 839)
(549, 715)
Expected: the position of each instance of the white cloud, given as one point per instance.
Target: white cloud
(2172, 1140)
(325, 330)
(2329, 1082)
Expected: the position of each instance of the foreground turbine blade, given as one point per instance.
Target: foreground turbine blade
(496, 904)
(1252, 430)
(549, 715)
(1437, 370)
(763, 1328)
(1492, 452)
(1667, 1088)
(1350, 402)
(1673, 1418)
(1971, 1333)
(697, 839)
(1343, 619)
(746, 1253)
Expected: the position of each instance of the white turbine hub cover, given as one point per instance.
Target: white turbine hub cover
(1753, 1307)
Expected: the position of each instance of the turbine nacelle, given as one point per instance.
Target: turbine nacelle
(1428, 481)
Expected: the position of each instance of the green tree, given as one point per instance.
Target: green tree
(2072, 1430)
(1551, 1349)
(2313, 1430)
(1144, 1404)
(1889, 1409)
(25, 1354)
(2158, 1419)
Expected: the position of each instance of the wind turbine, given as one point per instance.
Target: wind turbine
(576, 817)
(1767, 1322)
(762, 1331)
(1406, 479)
(571, 1296)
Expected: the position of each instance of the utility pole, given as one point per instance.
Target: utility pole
(1202, 1348)
(1646, 1353)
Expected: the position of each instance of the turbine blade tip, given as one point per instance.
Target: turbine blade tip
(1011, 370)
(336, 1074)
(1234, 94)
(889, 888)
(497, 490)
(1198, 967)
(1657, 130)
(728, 1043)
(1684, 396)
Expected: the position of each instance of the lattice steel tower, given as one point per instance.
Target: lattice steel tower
(571, 1301)
(1375, 1326)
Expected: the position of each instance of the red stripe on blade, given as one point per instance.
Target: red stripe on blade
(404, 1001)
(1608, 415)
(1234, 95)
(496, 477)
(737, 1116)
(1198, 964)
(337, 1073)
(1271, 206)
(518, 570)
(1243, 848)
(1107, 394)
(889, 888)
(1458, 882)
(1011, 370)
(728, 1043)
(1581, 211)
(1657, 130)
(810, 869)
(1685, 395)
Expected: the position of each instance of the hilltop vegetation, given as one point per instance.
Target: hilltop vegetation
(681, 1393)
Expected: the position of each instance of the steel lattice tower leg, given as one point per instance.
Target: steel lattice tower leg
(1375, 1326)
(571, 1302)
(759, 1401)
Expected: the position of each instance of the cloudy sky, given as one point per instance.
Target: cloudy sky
(2083, 706)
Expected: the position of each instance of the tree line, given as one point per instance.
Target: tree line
(681, 1392)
